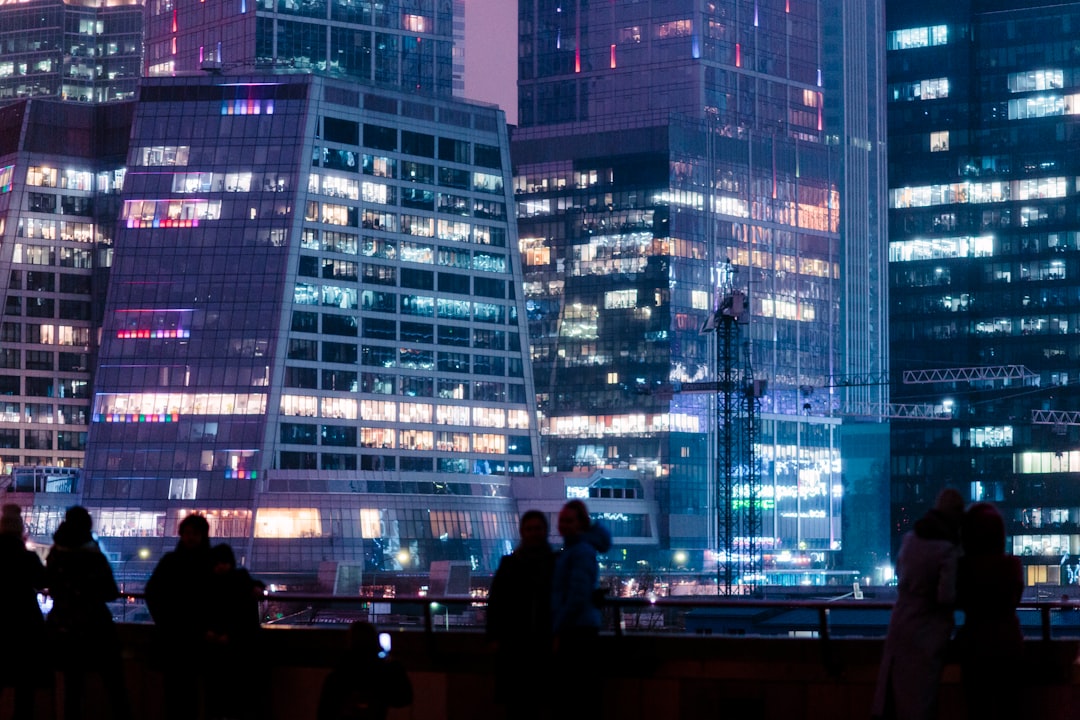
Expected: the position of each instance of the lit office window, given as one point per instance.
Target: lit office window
(1030, 80)
(287, 523)
(920, 37)
(939, 141)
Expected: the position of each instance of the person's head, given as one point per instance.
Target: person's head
(533, 528)
(573, 519)
(950, 507)
(363, 639)
(79, 524)
(222, 558)
(11, 522)
(983, 530)
(194, 532)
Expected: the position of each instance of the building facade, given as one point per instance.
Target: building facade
(85, 51)
(392, 43)
(314, 330)
(983, 265)
(668, 154)
(57, 217)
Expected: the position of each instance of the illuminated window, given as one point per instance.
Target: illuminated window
(299, 405)
(699, 300)
(417, 440)
(415, 23)
(1040, 106)
(41, 176)
(287, 523)
(675, 28)
(168, 407)
(620, 299)
(378, 410)
(182, 488)
(920, 37)
(612, 378)
(339, 408)
(1052, 79)
(939, 141)
(162, 155)
(371, 525)
(931, 89)
(489, 443)
(414, 413)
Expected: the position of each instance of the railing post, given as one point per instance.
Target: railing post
(1044, 615)
(826, 647)
(618, 618)
(429, 625)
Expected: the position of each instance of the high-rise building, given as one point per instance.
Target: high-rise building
(394, 43)
(672, 156)
(984, 278)
(85, 51)
(313, 331)
(61, 173)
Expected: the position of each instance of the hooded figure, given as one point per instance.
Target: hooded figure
(921, 623)
(575, 617)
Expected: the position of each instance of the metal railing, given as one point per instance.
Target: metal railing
(691, 616)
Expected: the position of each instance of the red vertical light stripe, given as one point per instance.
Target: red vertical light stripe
(820, 102)
(577, 59)
(612, 56)
(174, 20)
(738, 55)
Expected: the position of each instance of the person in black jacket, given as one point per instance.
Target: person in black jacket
(81, 584)
(178, 597)
(24, 628)
(519, 620)
(363, 685)
(232, 638)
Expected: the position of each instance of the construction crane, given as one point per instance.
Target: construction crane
(738, 397)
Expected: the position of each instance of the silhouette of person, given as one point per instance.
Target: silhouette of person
(575, 617)
(81, 584)
(363, 685)
(989, 586)
(24, 628)
(178, 597)
(519, 620)
(233, 637)
(922, 617)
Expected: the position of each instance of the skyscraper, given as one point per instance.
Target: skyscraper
(61, 173)
(86, 51)
(984, 233)
(312, 331)
(670, 154)
(398, 43)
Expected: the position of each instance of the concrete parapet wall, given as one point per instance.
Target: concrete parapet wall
(641, 677)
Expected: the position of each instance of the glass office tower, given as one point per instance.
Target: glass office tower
(984, 231)
(668, 154)
(85, 51)
(58, 207)
(394, 43)
(312, 331)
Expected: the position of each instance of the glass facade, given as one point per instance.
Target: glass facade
(83, 51)
(57, 217)
(658, 153)
(406, 44)
(313, 329)
(983, 270)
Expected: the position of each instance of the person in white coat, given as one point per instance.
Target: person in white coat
(921, 623)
